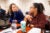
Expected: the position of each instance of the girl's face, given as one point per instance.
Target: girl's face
(14, 8)
(33, 9)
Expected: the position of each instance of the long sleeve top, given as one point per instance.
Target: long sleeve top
(39, 21)
(17, 16)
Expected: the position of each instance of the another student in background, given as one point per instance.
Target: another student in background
(36, 16)
(15, 13)
(2, 13)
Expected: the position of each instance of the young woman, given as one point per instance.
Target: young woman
(15, 13)
(36, 17)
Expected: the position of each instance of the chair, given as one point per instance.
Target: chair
(47, 26)
(4, 21)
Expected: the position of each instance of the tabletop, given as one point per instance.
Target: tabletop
(17, 30)
(27, 30)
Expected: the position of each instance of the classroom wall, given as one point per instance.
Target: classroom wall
(24, 5)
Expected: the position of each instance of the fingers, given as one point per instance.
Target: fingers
(31, 25)
(28, 17)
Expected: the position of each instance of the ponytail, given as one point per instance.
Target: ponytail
(39, 6)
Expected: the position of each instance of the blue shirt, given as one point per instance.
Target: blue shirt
(17, 16)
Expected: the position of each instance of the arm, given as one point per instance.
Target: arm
(10, 19)
(21, 16)
(41, 22)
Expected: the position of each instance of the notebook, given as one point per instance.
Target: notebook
(35, 30)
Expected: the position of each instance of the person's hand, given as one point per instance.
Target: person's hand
(15, 21)
(31, 25)
(28, 17)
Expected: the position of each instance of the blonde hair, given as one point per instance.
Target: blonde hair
(10, 7)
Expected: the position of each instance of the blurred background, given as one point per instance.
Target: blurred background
(25, 4)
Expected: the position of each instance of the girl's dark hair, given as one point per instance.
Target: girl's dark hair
(39, 6)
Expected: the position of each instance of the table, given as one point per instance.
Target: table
(17, 30)
(27, 29)
(10, 24)
(9, 30)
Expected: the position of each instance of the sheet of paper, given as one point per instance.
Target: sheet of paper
(35, 30)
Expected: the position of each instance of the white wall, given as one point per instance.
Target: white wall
(25, 4)
(46, 5)
(3, 4)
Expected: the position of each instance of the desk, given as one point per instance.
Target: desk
(9, 30)
(27, 29)
(10, 24)
(18, 30)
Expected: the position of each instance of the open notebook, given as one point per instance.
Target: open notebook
(35, 30)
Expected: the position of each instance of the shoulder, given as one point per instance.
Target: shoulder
(20, 12)
(3, 10)
(42, 16)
